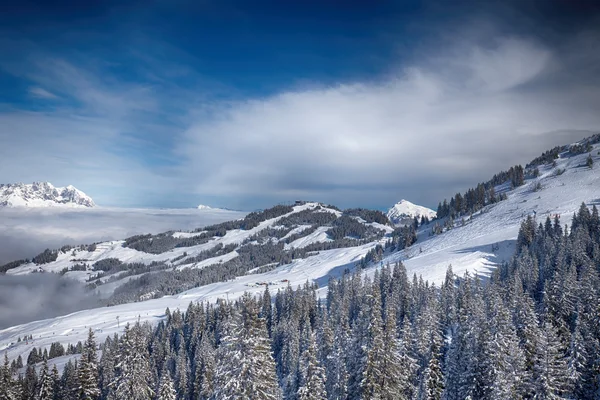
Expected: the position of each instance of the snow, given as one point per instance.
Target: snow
(203, 207)
(405, 210)
(466, 247)
(27, 231)
(43, 194)
(319, 235)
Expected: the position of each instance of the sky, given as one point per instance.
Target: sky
(244, 105)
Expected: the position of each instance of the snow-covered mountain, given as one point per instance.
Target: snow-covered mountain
(312, 242)
(403, 212)
(204, 207)
(42, 194)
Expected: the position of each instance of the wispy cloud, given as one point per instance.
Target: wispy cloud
(443, 121)
(40, 93)
(438, 122)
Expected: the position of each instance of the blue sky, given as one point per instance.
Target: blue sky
(245, 104)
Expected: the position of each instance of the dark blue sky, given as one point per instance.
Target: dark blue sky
(243, 104)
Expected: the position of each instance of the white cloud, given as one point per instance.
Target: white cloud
(40, 93)
(25, 232)
(460, 115)
(438, 123)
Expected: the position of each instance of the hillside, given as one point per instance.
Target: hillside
(307, 242)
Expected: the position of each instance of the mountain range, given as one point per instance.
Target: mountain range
(42, 194)
(140, 276)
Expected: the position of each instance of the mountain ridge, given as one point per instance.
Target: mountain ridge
(403, 212)
(43, 194)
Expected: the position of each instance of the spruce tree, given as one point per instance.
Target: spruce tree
(7, 385)
(311, 381)
(166, 390)
(204, 361)
(88, 370)
(46, 391)
(133, 377)
(246, 368)
(551, 368)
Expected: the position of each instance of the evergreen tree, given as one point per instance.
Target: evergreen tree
(69, 382)
(551, 368)
(29, 384)
(88, 370)
(7, 386)
(311, 381)
(204, 369)
(46, 391)
(246, 368)
(166, 390)
(133, 377)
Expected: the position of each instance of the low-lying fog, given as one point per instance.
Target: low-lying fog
(26, 232)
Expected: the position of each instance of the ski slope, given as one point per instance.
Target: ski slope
(467, 247)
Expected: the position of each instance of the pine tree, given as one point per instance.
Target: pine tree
(408, 363)
(69, 382)
(133, 378)
(204, 361)
(182, 371)
(551, 368)
(371, 384)
(246, 368)
(29, 383)
(46, 391)
(7, 386)
(88, 370)
(311, 381)
(166, 390)
(434, 378)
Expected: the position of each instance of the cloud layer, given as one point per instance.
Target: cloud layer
(453, 113)
(39, 296)
(26, 232)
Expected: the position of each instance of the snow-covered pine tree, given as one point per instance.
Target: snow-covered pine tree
(55, 381)
(29, 383)
(551, 367)
(133, 377)
(166, 389)
(7, 385)
(88, 370)
(311, 384)
(246, 368)
(204, 362)
(434, 380)
(182, 371)
(46, 391)
(408, 363)
(69, 382)
(505, 354)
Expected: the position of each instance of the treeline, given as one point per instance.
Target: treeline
(482, 195)
(531, 332)
(368, 216)
(267, 256)
(549, 156)
(161, 243)
(46, 256)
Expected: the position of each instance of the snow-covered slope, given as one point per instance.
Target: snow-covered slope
(403, 212)
(476, 245)
(42, 194)
(203, 207)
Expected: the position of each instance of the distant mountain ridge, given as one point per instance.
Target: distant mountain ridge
(404, 212)
(42, 194)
